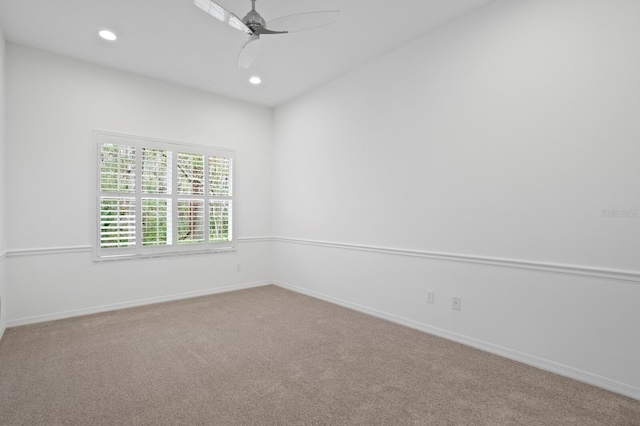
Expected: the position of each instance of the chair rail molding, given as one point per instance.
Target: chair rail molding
(88, 248)
(559, 268)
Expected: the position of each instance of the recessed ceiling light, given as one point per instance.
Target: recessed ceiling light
(255, 80)
(107, 35)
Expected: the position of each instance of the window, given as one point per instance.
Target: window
(158, 198)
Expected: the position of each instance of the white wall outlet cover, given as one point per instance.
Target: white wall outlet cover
(457, 303)
(430, 296)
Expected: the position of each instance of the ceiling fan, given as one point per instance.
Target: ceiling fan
(254, 25)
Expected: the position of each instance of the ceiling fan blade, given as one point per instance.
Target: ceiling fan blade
(249, 51)
(221, 14)
(263, 30)
(303, 21)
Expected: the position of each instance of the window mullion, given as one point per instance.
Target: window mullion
(206, 199)
(174, 198)
(138, 207)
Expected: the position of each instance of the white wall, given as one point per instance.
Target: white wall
(503, 135)
(55, 103)
(3, 192)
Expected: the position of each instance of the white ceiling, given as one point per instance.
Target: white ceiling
(173, 40)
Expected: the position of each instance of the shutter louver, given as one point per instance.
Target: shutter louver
(190, 221)
(117, 168)
(220, 176)
(220, 221)
(156, 171)
(117, 222)
(190, 174)
(156, 222)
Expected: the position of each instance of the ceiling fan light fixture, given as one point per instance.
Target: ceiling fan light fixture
(255, 80)
(107, 35)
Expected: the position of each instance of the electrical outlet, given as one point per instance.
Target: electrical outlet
(430, 296)
(457, 303)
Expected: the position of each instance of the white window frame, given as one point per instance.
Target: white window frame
(139, 250)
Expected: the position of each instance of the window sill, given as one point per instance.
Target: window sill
(166, 254)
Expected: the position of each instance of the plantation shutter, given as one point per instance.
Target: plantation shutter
(220, 204)
(157, 212)
(159, 197)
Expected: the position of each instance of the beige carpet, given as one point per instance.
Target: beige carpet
(268, 356)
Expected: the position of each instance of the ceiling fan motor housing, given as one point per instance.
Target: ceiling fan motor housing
(253, 20)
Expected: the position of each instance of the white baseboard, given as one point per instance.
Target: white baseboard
(3, 327)
(541, 363)
(132, 304)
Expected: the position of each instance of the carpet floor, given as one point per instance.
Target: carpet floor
(268, 356)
